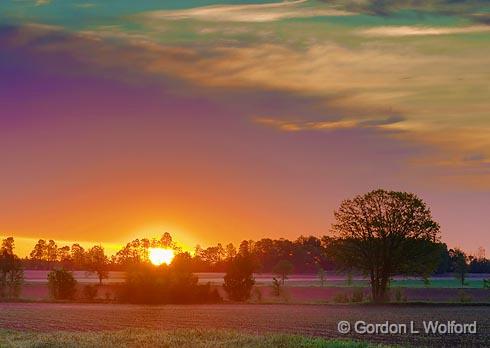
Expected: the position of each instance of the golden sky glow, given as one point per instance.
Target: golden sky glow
(219, 123)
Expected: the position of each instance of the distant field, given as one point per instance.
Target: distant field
(171, 339)
(301, 280)
(306, 320)
(299, 288)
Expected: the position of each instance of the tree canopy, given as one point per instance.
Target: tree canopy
(385, 233)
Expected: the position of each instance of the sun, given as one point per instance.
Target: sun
(159, 256)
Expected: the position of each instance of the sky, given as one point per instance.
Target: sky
(219, 121)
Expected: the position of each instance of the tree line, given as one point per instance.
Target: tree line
(306, 254)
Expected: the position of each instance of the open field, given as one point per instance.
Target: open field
(172, 339)
(303, 280)
(308, 320)
(299, 288)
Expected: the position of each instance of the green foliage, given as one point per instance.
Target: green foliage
(90, 292)
(61, 284)
(166, 284)
(238, 281)
(486, 283)
(382, 234)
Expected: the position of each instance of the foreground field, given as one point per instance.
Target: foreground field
(171, 339)
(308, 320)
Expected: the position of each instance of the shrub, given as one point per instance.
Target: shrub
(358, 295)
(341, 298)
(257, 294)
(349, 279)
(321, 276)
(486, 283)
(148, 284)
(238, 281)
(276, 287)
(464, 297)
(90, 292)
(62, 285)
(283, 269)
(400, 295)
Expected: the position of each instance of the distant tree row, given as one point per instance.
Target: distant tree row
(47, 255)
(305, 254)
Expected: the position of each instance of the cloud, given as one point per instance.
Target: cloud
(42, 2)
(435, 95)
(245, 13)
(401, 31)
(322, 125)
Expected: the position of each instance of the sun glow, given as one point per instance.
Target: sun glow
(159, 256)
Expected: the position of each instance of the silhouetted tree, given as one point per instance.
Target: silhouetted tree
(11, 273)
(321, 276)
(283, 269)
(40, 251)
(276, 287)
(78, 256)
(239, 280)
(230, 251)
(97, 262)
(61, 284)
(460, 265)
(51, 251)
(385, 233)
(175, 283)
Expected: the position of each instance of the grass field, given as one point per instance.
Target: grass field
(177, 338)
(305, 320)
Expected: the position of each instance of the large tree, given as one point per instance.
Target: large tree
(383, 234)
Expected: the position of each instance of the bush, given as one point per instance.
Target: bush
(400, 295)
(341, 298)
(147, 284)
(90, 292)
(257, 294)
(276, 287)
(358, 295)
(239, 278)
(486, 283)
(464, 297)
(61, 284)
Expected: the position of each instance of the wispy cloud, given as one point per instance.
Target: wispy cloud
(431, 97)
(246, 13)
(293, 126)
(398, 31)
(42, 2)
